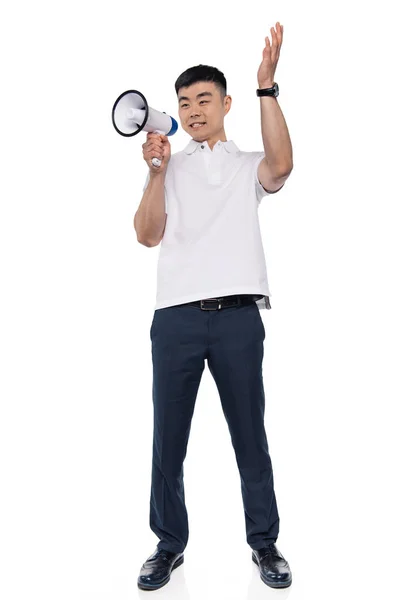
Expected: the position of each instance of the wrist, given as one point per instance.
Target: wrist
(265, 84)
(157, 174)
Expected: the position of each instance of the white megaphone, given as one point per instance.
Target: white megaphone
(131, 113)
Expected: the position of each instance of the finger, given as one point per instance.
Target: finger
(275, 43)
(157, 141)
(156, 145)
(279, 30)
(154, 149)
(267, 49)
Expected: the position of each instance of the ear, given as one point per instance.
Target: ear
(227, 103)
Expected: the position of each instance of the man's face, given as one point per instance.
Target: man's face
(201, 102)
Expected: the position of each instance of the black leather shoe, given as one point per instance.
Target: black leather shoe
(156, 571)
(274, 569)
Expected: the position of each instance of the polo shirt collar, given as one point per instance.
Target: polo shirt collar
(229, 146)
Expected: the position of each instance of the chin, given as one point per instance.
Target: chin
(197, 137)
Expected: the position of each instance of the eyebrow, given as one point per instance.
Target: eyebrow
(198, 96)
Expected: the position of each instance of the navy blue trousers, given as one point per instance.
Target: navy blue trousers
(232, 341)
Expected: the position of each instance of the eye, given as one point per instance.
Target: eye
(182, 105)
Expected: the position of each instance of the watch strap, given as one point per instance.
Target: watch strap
(272, 91)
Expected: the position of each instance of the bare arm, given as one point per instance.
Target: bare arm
(278, 161)
(150, 218)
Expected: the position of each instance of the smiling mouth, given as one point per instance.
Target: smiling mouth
(197, 126)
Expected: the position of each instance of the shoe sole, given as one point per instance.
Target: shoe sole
(282, 584)
(149, 586)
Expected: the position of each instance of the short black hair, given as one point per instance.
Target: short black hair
(202, 73)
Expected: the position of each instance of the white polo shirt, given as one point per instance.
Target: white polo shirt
(212, 242)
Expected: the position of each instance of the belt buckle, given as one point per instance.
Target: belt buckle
(212, 300)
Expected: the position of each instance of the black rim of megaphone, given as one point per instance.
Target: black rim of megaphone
(145, 117)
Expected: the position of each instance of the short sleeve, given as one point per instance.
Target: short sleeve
(260, 190)
(165, 191)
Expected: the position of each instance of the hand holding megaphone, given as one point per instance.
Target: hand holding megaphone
(132, 114)
(157, 152)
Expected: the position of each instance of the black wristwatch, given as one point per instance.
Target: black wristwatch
(272, 91)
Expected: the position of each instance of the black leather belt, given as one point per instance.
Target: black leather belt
(225, 301)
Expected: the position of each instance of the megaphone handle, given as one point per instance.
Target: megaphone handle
(156, 162)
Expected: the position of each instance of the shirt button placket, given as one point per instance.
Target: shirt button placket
(215, 171)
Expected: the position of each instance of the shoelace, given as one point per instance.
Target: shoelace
(271, 549)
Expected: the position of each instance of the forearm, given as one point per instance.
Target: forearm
(149, 219)
(275, 135)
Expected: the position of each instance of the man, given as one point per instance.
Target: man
(203, 203)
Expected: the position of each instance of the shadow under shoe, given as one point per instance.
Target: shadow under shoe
(274, 569)
(156, 571)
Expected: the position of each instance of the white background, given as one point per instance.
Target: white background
(78, 294)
